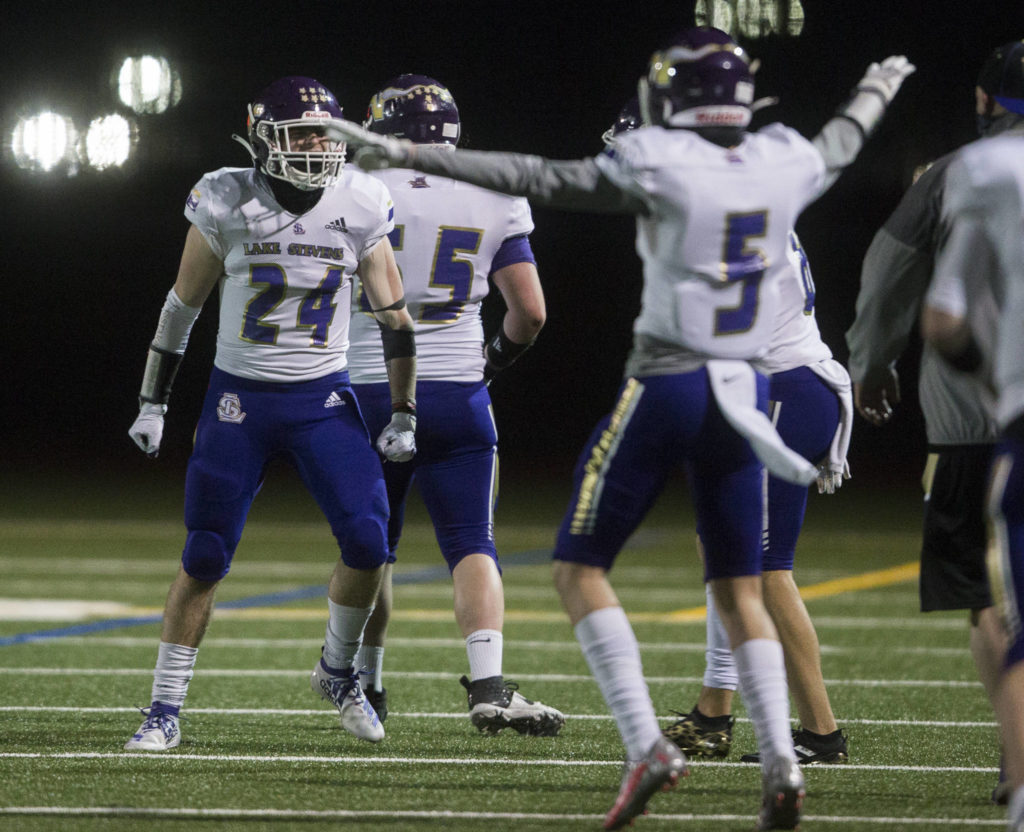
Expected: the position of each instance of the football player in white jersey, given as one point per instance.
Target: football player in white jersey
(714, 205)
(811, 406)
(984, 208)
(282, 241)
(449, 239)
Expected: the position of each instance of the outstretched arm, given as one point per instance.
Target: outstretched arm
(576, 185)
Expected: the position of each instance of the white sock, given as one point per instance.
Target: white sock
(762, 676)
(345, 627)
(370, 659)
(610, 649)
(484, 648)
(719, 665)
(174, 667)
(1016, 808)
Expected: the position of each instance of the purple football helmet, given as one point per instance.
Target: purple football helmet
(286, 133)
(628, 119)
(702, 79)
(415, 107)
(1002, 76)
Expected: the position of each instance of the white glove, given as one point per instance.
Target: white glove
(397, 442)
(148, 428)
(829, 480)
(373, 151)
(886, 78)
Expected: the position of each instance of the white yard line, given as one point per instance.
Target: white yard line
(903, 723)
(510, 644)
(424, 674)
(435, 761)
(397, 814)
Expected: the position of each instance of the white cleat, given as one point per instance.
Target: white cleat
(495, 705)
(159, 732)
(343, 691)
(782, 795)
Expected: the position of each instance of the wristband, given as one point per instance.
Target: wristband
(501, 350)
(398, 343)
(161, 368)
(404, 406)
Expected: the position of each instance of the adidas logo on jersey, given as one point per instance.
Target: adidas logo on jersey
(334, 400)
(337, 225)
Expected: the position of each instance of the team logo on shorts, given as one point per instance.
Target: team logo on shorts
(229, 409)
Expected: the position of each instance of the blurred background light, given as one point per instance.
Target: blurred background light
(108, 141)
(148, 85)
(43, 141)
(752, 19)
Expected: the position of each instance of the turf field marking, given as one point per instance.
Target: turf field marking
(413, 814)
(510, 644)
(451, 761)
(828, 589)
(905, 723)
(434, 675)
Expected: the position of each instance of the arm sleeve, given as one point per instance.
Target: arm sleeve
(571, 185)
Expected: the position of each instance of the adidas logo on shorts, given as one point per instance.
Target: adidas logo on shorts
(334, 400)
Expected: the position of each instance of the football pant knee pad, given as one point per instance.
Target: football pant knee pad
(206, 556)
(363, 544)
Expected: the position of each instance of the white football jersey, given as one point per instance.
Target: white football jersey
(985, 195)
(445, 238)
(284, 297)
(715, 243)
(796, 341)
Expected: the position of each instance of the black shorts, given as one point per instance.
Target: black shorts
(953, 575)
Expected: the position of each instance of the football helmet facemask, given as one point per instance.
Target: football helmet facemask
(286, 136)
(702, 79)
(415, 107)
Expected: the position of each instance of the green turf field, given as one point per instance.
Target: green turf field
(260, 751)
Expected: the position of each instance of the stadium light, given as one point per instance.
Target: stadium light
(752, 19)
(148, 85)
(43, 141)
(108, 141)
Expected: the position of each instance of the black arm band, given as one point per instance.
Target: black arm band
(398, 343)
(398, 304)
(968, 359)
(501, 350)
(161, 368)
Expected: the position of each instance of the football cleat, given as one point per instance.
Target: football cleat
(343, 691)
(1016, 814)
(379, 700)
(782, 795)
(495, 704)
(159, 732)
(658, 770)
(812, 748)
(696, 737)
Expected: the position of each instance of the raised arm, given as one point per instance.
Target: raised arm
(843, 136)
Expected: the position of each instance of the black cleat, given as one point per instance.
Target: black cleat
(495, 704)
(812, 748)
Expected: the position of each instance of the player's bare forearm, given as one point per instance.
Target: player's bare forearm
(402, 378)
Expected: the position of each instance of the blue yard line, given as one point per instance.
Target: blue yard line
(420, 576)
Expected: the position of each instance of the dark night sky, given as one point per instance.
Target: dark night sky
(88, 260)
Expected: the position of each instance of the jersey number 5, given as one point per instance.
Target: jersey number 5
(743, 264)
